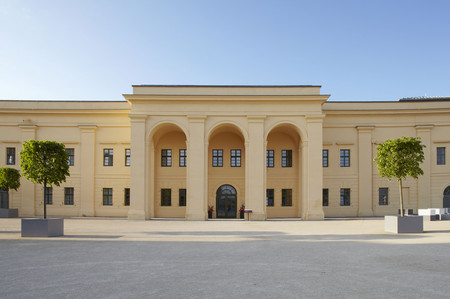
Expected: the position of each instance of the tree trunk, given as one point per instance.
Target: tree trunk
(401, 197)
(45, 199)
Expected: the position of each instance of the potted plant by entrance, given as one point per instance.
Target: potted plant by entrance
(210, 211)
(241, 211)
(9, 179)
(44, 162)
(399, 158)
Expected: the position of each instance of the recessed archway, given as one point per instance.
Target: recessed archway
(226, 202)
(446, 199)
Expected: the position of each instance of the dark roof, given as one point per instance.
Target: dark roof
(162, 85)
(425, 99)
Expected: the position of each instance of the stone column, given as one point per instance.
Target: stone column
(255, 169)
(312, 159)
(138, 171)
(365, 164)
(424, 181)
(87, 170)
(196, 205)
(28, 189)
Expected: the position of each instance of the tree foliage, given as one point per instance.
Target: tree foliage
(9, 178)
(399, 158)
(44, 162)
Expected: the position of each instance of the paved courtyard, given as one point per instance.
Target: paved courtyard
(117, 258)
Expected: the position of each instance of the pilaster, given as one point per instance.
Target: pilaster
(255, 169)
(28, 189)
(424, 181)
(87, 169)
(312, 161)
(365, 165)
(196, 205)
(138, 174)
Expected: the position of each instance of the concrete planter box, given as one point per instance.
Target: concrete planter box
(9, 213)
(43, 227)
(406, 224)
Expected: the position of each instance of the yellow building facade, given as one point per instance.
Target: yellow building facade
(174, 151)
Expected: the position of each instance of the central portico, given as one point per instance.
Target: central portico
(226, 146)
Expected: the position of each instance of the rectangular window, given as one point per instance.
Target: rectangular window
(68, 196)
(48, 195)
(166, 197)
(383, 196)
(270, 158)
(217, 158)
(108, 154)
(286, 197)
(286, 158)
(107, 197)
(182, 197)
(440, 151)
(126, 200)
(325, 197)
(345, 197)
(325, 158)
(10, 156)
(183, 158)
(345, 158)
(235, 158)
(166, 158)
(270, 194)
(71, 153)
(127, 157)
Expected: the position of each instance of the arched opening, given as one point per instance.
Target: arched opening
(226, 202)
(446, 199)
(4, 199)
(169, 163)
(226, 166)
(283, 164)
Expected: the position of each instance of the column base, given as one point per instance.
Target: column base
(136, 215)
(313, 216)
(256, 217)
(196, 217)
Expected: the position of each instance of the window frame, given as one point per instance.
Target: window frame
(325, 197)
(166, 202)
(345, 202)
(344, 157)
(10, 157)
(270, 199)
(217, 158)
(380, 201)
(270, 158)
(107, 197)
(286, 197)
(235, 158)
(126, 197)
(48, 195)
(325, 157)
(182, 157)
(128, 157)
(286, 158)
(182, 194)
(108, 157)
(71, 152)
(440, 155)
(68, 196)
(166, 157)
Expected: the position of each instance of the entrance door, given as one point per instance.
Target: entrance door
(4, 199)
(447, 197)
(226, 202)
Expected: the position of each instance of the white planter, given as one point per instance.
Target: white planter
(406, 224)
(53, 227)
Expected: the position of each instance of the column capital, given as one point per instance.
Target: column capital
(197, 118)
(424, 127)
(256, 118)
(87, 128)
(365, 129)
(314, 118)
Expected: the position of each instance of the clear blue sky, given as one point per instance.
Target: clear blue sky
(357, 50)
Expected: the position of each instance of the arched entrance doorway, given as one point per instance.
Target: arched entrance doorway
(447, 197)
(226, 202)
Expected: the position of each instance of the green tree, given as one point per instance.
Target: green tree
(399, 158)
(44, 162)
(9, 179)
